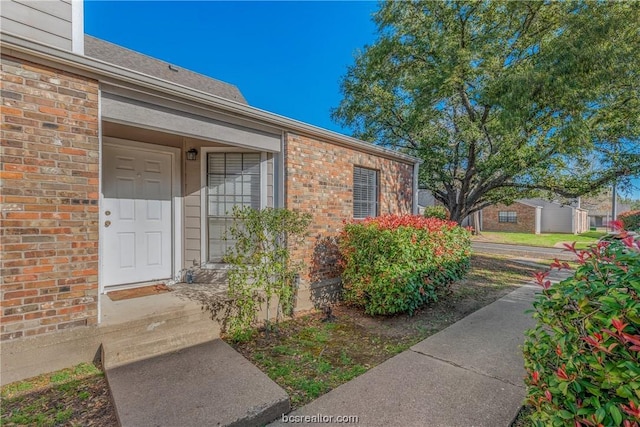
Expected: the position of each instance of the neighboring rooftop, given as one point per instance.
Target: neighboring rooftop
(600, 205)
(127, 58)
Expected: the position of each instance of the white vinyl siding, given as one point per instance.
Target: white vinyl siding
(365, 192)
(233, 179)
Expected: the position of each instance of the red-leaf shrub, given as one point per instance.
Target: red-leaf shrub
(583, 356)
(397, 263)
(630, 220)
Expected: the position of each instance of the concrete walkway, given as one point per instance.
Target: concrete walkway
(205, 385)
(469, 374)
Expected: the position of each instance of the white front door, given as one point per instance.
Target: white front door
(136, 215)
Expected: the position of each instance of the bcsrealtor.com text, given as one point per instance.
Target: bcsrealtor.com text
(320, 419)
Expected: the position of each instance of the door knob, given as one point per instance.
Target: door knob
(107, 213)
(107, 223)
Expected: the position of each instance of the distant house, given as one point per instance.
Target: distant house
(524, 216)
(600, 209)
(535, 216)
(426, 199)
(520, 217)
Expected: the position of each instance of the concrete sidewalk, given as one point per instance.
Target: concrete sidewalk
(209, 384)
(470, 374)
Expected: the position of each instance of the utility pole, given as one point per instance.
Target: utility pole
(614, 204)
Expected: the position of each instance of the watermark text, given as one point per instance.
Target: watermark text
(320, 419)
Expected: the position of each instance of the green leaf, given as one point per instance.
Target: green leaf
(563, 386)
(566, 415)
(615, 414)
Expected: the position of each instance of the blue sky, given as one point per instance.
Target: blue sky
(286, 57)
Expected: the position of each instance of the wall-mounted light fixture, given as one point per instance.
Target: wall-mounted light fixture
(192, 154)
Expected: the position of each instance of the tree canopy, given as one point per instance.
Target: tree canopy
(502, 99)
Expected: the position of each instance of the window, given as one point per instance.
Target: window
(507, 216)
(233, 179)
(365, 192)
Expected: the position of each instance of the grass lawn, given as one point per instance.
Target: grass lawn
(545, 240)
(308, 356)
(77, 396)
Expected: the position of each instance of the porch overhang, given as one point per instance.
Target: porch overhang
(134, 112)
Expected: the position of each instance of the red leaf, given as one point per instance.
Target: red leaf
(635, 339)
(562, 374)
(535, 377)
(632, 409)
(617, 323)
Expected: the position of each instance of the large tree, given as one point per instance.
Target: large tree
(502, 100)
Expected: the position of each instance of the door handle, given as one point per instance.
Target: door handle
(107, 223)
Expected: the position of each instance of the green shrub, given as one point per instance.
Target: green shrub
(395, 264)
(582, 357)
(439, 212)
(261, 266)
(630, 220)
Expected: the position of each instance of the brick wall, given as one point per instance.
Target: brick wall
(525, 216)
(319, 180)
(49, 191)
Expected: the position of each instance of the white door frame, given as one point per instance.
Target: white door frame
(176, 204)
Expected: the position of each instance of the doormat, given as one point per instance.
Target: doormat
(143, 291)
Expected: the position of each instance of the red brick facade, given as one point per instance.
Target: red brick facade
(50, 195)
(49, 171)
(319, 180)
(525, 218)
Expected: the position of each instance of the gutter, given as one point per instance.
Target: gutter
(16, 46)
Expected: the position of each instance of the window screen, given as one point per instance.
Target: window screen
(233, 179)
(365, 192)
(507, 216)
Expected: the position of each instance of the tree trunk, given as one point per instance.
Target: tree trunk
(476, 223)
(455, 214)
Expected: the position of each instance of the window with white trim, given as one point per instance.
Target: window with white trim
(365, 192)
(233, 179)
(507, 216)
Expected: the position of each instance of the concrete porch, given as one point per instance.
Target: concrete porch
(144, 327)
(129, 330)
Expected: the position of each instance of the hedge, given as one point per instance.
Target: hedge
(630, 220)
(439, 212)
(395, 264)
(583, 356)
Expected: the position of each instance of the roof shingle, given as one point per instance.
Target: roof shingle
(118, 55)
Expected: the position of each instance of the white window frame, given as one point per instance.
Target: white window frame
(204, 152)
